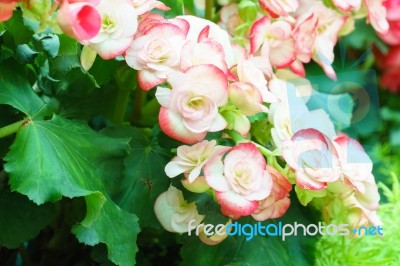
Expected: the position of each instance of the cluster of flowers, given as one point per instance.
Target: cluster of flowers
(208, 83)
(294, 32)
(323, 163)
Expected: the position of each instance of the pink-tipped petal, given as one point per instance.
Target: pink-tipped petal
(274, 210)
(283, 55)
(182, 24)
(174, 168)
(213, 172)
(163, 96)
(216, 83)
(92, 2)
(171, 124)
(298, 68)
(203, 53)
(252, 151)
(218, 124)
(204, 33)
(303, 181)
(258, 32)
(148, 80)
(79, 21)
(234, 205)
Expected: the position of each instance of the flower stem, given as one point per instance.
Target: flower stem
(209, 9)
(137, 106)
(236, 136)
(11, 129)
(264, 151)
(120, 105)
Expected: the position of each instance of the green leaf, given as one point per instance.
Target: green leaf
(144, 177)
(63, 64)
(258, 117)
(68, 45)
(395, 137)
(16, 91)
(389, 114)
(79, 103)
(25, 54)
(21, 219)
(196, 253)
(177, 8)
(103, 72)
(49, 43)
(300, 248)
(112, 226)
(305, 196)
(262, 251)
(75, 161)
(75, 156)
(18, 30)
(67, 58)
(261, 131)
(364, 36)
(247, 10)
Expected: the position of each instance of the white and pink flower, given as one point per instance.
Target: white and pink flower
(273, 41)
(240, 179)
(356, 167)
(278, 8)
(199, 28)
(230, 18)
(157, 52)
(291, 114)
(248, 72)
(278, 202)
(313, 158)
(305, 33)
(191, 159)
(203, 52)
(190, 109)
(144, 6)
(377, 15)
(347, 5)
(329, 25)
(174, 213)
(164, 46)
(247, 98)
(79, 19)
(118, 25)
(317, 27)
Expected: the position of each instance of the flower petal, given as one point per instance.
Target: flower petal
(234, 205)
(171, 124)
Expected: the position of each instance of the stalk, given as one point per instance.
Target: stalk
(120, 106)
(209, 9)
(11, 129)
(138, 106)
